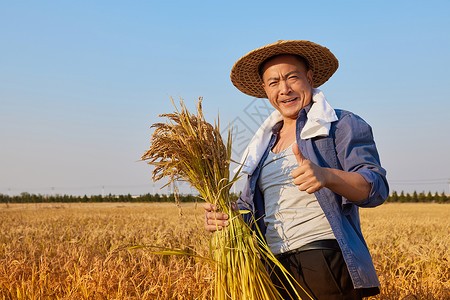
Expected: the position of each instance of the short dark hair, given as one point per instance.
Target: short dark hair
(298, 57)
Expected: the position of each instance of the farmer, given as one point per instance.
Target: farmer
(310, 167)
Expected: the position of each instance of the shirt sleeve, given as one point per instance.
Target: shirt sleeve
(357, 152)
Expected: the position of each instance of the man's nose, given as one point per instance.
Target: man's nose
(285, 88)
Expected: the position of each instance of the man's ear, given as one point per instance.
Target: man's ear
(264, 87)
(309, 76)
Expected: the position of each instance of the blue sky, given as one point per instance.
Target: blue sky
(82, 81)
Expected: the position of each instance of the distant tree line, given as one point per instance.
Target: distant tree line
(38, 198)
(418, 197)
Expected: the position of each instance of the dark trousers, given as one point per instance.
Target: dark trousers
(322, 273)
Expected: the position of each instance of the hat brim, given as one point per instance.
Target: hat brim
(245, 72)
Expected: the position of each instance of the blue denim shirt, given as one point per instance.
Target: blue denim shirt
(350, 147)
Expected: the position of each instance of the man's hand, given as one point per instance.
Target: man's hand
(307, 176)
(214, 220)
(310, 178)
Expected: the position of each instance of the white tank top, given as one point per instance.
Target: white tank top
(293, 218)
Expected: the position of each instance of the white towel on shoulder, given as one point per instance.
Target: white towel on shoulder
(319, 121)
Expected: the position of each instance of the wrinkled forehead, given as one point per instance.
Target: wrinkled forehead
(282, 58)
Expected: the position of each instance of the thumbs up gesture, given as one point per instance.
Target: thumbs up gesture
(308, 176)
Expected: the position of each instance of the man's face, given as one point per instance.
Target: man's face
(287, 84)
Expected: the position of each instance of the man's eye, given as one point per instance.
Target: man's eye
(272, 83)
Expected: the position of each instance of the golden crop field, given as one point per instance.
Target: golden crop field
(78, 251)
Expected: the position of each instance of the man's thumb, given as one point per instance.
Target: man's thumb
(298, 154)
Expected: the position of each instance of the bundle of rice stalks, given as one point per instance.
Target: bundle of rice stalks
(188, 148)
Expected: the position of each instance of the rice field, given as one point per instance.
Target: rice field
(79, 251)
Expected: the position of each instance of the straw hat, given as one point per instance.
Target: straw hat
(245, 72)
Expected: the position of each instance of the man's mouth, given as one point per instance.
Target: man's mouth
(289, 100)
